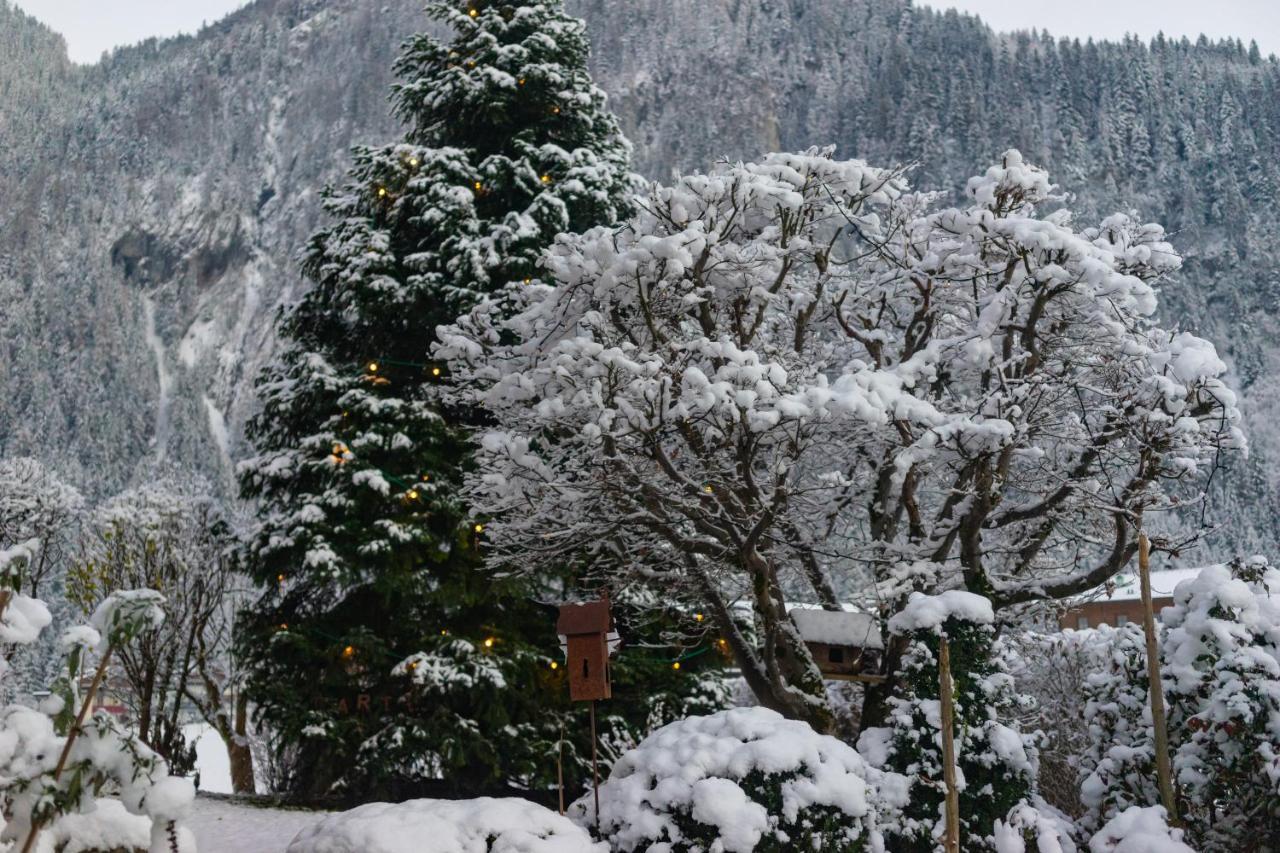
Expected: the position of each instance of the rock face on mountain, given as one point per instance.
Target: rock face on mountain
(151, 205)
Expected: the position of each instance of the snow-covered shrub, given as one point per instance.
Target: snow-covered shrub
(55, 763)
(483, 825)
(1038, 828)
(1053, 669)
(745, 780)
(1139, 830)
(1220, 664)
(996, 764)
(1117, 767)
(1221, 670)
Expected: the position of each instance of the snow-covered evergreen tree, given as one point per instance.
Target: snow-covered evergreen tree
(381, 655)
(995, 764)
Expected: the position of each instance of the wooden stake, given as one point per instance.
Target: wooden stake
(1155, 689)
(560, 768)
(71, 738)
(952, 839)
(595, 771)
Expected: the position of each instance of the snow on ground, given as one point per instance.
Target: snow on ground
(226, 826)
(211, 758)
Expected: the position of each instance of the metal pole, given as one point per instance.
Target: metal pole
(1154, 687)
(952, 842)
(595, 771)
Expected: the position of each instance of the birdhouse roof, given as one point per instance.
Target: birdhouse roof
(838, 628)
(591, 617)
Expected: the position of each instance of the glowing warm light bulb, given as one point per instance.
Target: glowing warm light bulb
(435, 371)
(413, 494)
(697, 617)
(488, 642)
(382, 191)
(426, 478)
(546, 179)
(707, 488)
(555, 665)
(479, 528)
(555, 110)
(413, 161)
(474, 12)
(478, 186)
(521, 81)
(444, 632)
(280, 578)
(373, 367)
(348, 651)
(676, 665)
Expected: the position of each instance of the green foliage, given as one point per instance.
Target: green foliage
(366, 558)
(996, 763)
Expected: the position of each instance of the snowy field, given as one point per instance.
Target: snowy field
(222, 826)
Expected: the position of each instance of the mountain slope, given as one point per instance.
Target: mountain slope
(153, 203)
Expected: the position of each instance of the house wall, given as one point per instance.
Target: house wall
(1110, 612)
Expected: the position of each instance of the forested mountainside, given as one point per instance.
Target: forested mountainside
(151, 205)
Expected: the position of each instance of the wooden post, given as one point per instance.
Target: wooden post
(952, 839)
(560, 767)
(1155, 690)
(71, 738)
(595, 771)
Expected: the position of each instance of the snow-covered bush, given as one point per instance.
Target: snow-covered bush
(745, 780)
(996, 764)
(1221, 670)
(1054, 669)
(483, 825)
(1117, 766)
(1139, 830)
(55, 761)
(1220, 663)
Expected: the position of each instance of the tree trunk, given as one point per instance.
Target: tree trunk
(242, 778)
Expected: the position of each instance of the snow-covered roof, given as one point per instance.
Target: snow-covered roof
(1162, 584)
(838, 628)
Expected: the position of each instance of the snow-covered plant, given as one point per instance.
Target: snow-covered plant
(995, 764)
(745, 780)
(480, 825)
(1053, 670)
(796, 378)
(1117, 766)
(1220, 664)
(171, 536)
(1139, 830)
(1221, 669)
(57, 760)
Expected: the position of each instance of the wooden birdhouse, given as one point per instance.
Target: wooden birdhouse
(846, 646)
(587, 635)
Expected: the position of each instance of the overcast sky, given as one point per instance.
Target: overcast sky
(1112, 19)
(92, 26)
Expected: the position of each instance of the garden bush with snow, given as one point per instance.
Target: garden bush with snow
(1220, 662)
(745, 780)
(482, 825)
(995, 763)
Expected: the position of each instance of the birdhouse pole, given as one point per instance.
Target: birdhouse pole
(1155, 689)
(595, 767)
(952, 837)
(587, 631)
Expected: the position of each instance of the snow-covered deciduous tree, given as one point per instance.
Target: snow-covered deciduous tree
(995, 764)
(37, 504)
(798, 379)
(172, 537)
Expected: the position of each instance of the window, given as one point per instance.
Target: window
(1121, 619)
(1082, 622)
(835, 655)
